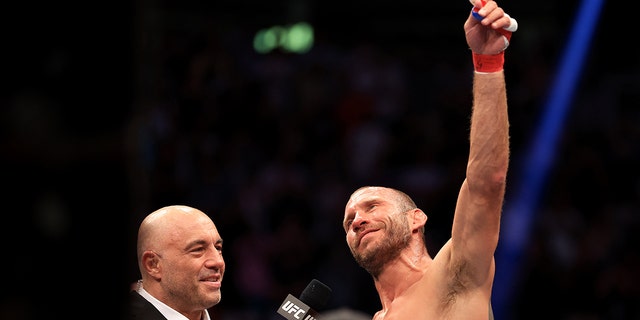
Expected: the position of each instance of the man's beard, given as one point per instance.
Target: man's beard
(397, 239)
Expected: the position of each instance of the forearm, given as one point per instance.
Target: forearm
(489, 135)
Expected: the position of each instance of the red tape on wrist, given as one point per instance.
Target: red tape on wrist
(488, 62)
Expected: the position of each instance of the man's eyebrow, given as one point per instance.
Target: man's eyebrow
(365, 203)
(195, 243)
(201, 242)
(372, 201)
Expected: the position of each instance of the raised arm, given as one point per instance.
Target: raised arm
(476, 222)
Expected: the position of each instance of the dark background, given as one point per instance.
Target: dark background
(110, 111)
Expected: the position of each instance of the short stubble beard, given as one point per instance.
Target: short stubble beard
(398, 237)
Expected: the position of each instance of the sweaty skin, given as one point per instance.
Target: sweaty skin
(385, 232)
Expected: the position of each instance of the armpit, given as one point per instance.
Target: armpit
(458, 281)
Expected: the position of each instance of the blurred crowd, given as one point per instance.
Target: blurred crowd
(271, 146)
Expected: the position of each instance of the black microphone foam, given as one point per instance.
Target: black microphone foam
(316, 295)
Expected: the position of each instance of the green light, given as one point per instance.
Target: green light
(264, 41)
(297, 38)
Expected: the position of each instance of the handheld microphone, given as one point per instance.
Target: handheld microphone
(314, 297)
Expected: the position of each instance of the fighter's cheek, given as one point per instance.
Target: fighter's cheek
(355, 244)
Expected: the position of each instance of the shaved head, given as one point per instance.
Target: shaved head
(164, 225)
(180, 259)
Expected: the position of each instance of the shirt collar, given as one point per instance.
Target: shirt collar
(167, 311)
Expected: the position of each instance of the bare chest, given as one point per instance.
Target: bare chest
(435, 307)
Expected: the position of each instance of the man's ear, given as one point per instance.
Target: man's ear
(418, 219)
(151, 263)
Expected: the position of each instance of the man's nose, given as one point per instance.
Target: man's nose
(214, 258)
(358, 222)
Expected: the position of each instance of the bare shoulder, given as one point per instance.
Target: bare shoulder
(448, 291)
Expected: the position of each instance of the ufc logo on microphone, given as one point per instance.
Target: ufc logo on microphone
(293, 309)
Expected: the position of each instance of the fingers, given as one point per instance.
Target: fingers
(478, 28)
(495, 17)
(513, 24)
(478, 3)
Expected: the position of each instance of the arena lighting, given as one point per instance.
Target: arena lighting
(520, 210)
(296, 38)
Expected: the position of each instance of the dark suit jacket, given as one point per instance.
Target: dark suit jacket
(140, 308)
